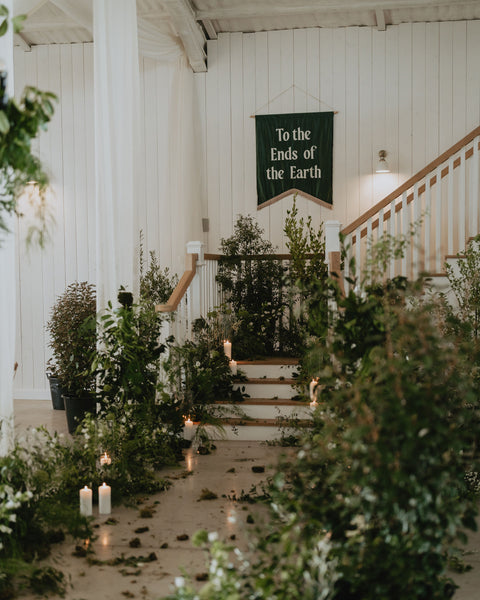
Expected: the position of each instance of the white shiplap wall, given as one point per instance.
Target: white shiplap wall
(67, 150)
(412, 90)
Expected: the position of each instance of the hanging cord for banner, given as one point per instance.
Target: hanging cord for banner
(335, 112)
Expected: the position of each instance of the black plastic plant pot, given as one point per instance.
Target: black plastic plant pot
(56, 393)
(77, 408)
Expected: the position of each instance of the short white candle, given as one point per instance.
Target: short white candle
(104, 499)
(105, 460)
(189, 422)
(227, 348)
(233, 367)
(86, 501)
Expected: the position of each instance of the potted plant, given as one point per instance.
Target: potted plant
(72, 329)
(56, 392)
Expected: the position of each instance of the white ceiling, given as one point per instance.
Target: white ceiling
(51, 21)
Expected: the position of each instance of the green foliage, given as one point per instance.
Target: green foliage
(307, 247)
(156, 284)
(465, 316)
(144, 425)
(252, 282)
(128, 356)
(72, 338)
(198, 372)
(20, 123)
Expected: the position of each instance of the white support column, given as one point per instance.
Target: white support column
(7, 283)
(197, 308)
(332, 238)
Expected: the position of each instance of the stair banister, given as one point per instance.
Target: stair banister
(411, 182)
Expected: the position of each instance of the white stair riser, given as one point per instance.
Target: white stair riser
(262, 411)
(256, 371)
(268, 390)
(248, 433)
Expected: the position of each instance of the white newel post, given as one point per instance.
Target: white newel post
(197, 287)
(332, 238)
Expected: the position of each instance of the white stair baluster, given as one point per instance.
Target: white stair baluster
(405, 229)
(462, 201)
(474, 187)
(392, 235)
(450, 207)
(417, 238)
(428, 224)
(438, 221)
(358, 251)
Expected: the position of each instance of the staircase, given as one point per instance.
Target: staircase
(441, 204)
(269, 407)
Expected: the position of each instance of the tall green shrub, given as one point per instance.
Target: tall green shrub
(252, 282)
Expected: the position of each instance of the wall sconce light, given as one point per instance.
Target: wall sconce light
(382, 165)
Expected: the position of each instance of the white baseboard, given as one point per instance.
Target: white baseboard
(31, 394)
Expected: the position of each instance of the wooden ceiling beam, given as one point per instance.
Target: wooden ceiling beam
(193, 39)
(380, 18)
(258, 10)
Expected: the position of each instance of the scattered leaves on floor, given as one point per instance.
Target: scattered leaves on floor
(207, 495)
(128, 594)
(182, 537)
(258, 469)
(201, 576)
(111, 521)
(146, 513)
(163, 546)
(232, 470)
(233, 537)
(250, 519)
(142, 529)
(80, 552)
(135, 543)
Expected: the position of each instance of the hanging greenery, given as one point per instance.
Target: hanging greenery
(20, 123)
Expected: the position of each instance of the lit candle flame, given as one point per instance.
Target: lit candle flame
(105, 459)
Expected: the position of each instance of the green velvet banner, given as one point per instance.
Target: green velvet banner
(294, 154)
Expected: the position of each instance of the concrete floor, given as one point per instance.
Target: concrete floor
(178, 512)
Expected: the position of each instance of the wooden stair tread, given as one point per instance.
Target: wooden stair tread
(242, 422)
(270, 361)
(265, 402)
(268, 380)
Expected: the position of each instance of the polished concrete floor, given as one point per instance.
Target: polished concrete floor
(178, 512)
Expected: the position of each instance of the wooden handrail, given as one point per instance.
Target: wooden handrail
(412, 181)
(253, 257)
(182, 285)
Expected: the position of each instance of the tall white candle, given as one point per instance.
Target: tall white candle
(86, 501)
(233, 367)
(104, 499)
(227, 348)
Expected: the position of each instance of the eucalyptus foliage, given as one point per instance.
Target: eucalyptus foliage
(20, 123)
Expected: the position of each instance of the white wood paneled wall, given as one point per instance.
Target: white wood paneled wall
(67, 149)
(412, 90)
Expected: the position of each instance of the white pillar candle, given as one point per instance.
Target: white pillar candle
(227, 348)
(86, 501)
(105, 460)
(233, 367)
(313, 385)
(104, 499)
